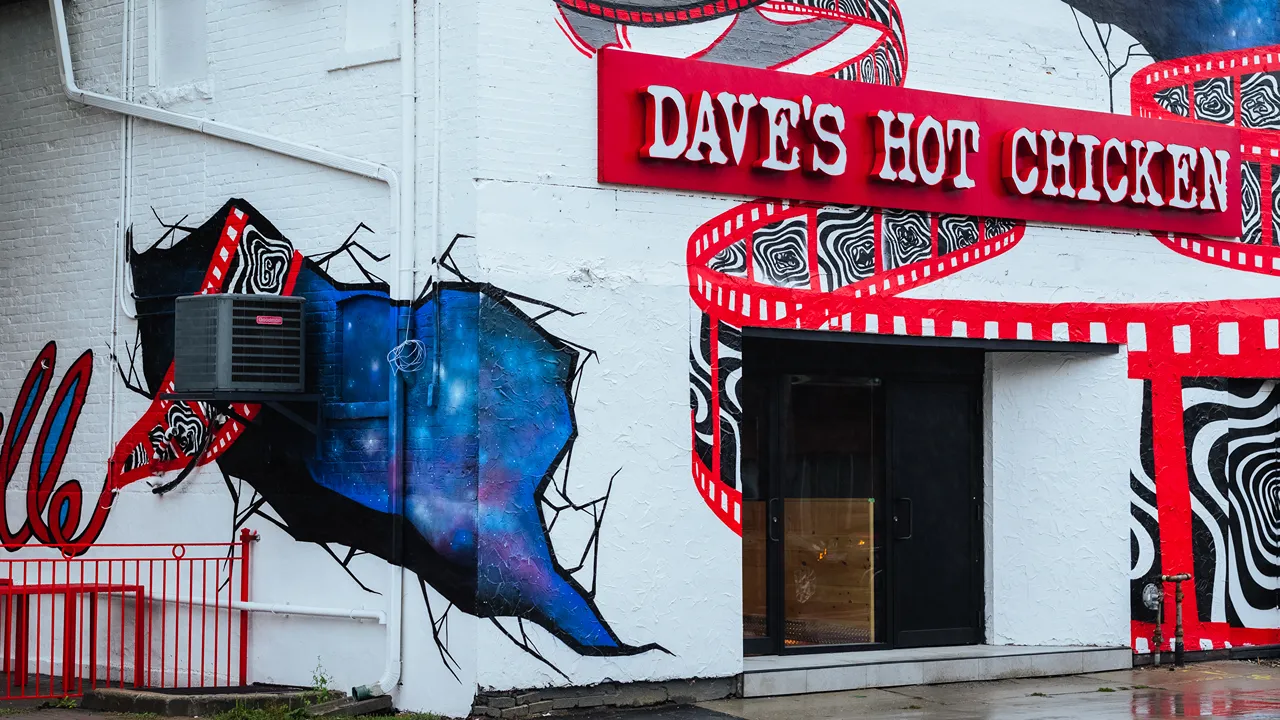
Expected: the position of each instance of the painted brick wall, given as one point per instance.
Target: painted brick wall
(62, 184)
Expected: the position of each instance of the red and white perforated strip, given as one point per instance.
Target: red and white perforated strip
(1263, 259)
(747, 302)
(1257, 145)
(620, 12)
(156, 416)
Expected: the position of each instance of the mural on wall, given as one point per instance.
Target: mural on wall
(1203, 497)
(490, 427)
(1217, 504)
(52, 511)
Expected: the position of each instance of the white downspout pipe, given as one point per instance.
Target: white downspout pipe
(403, 291)
(401, 211)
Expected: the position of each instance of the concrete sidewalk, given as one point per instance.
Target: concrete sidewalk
(1236, 689)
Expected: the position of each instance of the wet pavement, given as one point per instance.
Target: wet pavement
(1220, 689)
(1235, 689)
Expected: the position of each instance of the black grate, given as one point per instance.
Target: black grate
(266, 342)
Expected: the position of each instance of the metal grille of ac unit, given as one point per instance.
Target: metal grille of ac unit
(246, 343)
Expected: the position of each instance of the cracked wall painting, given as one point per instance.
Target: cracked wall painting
(487, 452)
(785, 265)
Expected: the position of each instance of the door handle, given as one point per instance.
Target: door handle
(773, 519)
(910, 517)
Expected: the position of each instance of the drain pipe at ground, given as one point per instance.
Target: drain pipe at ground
(402, 221)
(1158, 637)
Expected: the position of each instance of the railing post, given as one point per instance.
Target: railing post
(139, 638)
(247, 536)
(69, 659)
(93, 638)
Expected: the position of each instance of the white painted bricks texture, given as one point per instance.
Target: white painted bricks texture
(517, 168)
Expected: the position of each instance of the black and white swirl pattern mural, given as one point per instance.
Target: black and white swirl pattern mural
(262, 264)
(1215, 101)
(730, 379)
(780, 253)
(1260, 101)
(137, 458)
(160, 448)
(866, 71)
(1174, 100)
(731, 261)
(1144, 522)
(846, 246)
(700, 386)
(1233, 464)
(905, 238)
(186, 430)
(998, 226)
(1251, 202)
(956, 232)
(888, 67)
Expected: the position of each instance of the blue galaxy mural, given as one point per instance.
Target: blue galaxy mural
(1179, 28)
(489, 422)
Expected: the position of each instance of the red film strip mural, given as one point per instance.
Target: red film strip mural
(1217, 504)
(803, 266)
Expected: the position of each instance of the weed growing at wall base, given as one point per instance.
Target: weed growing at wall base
(270, 712)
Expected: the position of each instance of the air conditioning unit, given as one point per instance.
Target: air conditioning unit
(238, 344)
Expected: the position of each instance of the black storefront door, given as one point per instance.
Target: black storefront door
(861, 488)
(936, 547)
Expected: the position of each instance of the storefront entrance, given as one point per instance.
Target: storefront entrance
(862, 493)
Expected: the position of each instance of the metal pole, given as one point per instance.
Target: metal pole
(1158, 638)
(1177, 581)
(247, 537)
(1178, 638)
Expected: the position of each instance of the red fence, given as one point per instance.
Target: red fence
(125, 615)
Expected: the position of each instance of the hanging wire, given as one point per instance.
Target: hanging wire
(408, 357)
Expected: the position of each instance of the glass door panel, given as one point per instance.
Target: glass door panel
(832, 476)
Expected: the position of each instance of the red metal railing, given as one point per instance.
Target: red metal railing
(125, 615)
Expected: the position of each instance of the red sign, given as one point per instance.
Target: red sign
(692, 125)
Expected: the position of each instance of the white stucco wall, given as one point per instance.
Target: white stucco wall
(1059, 431)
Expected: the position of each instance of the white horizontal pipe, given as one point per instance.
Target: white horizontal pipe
(279, 608)
(213, 128)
